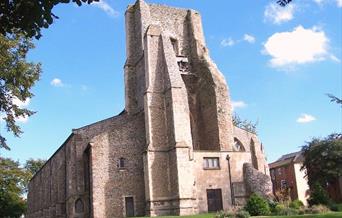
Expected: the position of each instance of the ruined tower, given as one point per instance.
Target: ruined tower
(170, 76)
(172, 151)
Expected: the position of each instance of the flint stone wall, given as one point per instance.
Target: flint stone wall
(257, 182)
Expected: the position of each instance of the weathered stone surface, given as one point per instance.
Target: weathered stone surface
(257, 182)
(151, 156)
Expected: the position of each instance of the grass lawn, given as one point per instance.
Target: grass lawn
(327, 215)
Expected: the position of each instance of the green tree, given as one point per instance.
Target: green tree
(323, 160)
(31, 167)
(245, 124)
(12, 185)
(29, 16)
(318, 195)
(17, 77)
(34, 165)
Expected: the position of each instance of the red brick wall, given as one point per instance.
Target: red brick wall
(286, 173)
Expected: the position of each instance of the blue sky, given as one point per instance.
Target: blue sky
(278, 63)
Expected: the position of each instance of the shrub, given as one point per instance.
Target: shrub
(282, 210)
(316, 209)
(284, 196)
(219, 214)
(318, 195)
(242, 214)
(278, 209)
(335, 207)
(272, 204)
(231, 214)
(292, 211)
(296, 204)
(288, 212)
(256, 206)
(301, 211)
(223, 214)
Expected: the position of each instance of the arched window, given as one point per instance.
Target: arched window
(121, 162)
(238, 146)
(79, 206)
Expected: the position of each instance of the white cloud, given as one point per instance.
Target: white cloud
(57, 82)
(84, 88)
(249, 38)
(276, 14)
(2, 116)
(334, 58)
(230, 42)
(319, 1)
(238, 104)
(21, 104)
(227, 42)
(305, 118)
(297, 47)
(104, 6)
(322, 2)
(22, 119)
(339, 3)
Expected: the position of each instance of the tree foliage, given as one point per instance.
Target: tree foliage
(12, 186)
(245, 124)
(14, 183)
(335, 99)
(34, 165)
(17, 76)
(323, 159)
(318, 195)
(29, 16)
(283, 3)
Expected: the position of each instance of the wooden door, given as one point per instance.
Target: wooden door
(129, 206)
(214, 197)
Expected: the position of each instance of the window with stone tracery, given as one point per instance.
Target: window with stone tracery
(79, 206)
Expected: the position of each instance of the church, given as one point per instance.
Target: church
(173, 150)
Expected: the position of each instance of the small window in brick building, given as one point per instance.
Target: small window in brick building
(79, 207)
(279, 170)
(211, 163)
(272, 174)
(121, 162)
(283, 184)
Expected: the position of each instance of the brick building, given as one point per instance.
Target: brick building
(286, 173)
(172, 151)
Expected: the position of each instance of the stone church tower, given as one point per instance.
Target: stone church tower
(172, 151)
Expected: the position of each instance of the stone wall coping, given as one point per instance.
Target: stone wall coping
(60, 147)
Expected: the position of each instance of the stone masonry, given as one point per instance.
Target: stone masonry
(172, 151)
